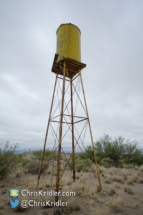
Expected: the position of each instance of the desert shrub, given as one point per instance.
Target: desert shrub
(118, 149)
(137, 159)
(7, 159)
(20, 159)
(33, 167)
(25, 161)
(88, 153)
(47, 154)
(82, 164)
(107, 162)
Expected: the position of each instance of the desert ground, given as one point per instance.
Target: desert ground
(122, 190)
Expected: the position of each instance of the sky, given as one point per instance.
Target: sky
(111, 47)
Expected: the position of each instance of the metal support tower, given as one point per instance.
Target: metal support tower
(67, 70)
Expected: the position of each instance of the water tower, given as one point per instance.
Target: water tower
(63, 118)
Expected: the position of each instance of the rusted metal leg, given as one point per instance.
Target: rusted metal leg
(72, 123)
(60, 135)
(43, 152)
(96, 164)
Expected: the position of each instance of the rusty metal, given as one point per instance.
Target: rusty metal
(72, 122)
(73, 66)
(79, 99)
(60, 134)
(76, 140)
(43, 152)
(79, 138)
(96, 164)
(81, 120)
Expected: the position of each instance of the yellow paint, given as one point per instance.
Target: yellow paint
(68, 42)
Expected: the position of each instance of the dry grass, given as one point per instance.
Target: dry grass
(112, 171)
(117, 185)
(108, 179)
(128, 189)
(118, 204)
(112, 190)
(1, 206)
(117, 178)
(130, 181)
(129, 166)
(128, 175)
(84, 189)
(141, 168)
(17, 174)
(83, 178)
(135, 177)
(77, 176)
(88, 200)
(101, 211)
(133, 205)
(49, 171)
(73, 204)
(47, 184)
(90, 192)
(136, 168)
(66, 181)
(33, 185)
(140, 180)
(125, 173)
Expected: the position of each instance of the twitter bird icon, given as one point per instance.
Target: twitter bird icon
(14, 203)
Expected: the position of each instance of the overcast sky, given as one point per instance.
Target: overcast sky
(111, 47)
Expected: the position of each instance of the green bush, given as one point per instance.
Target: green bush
(48, 153)
(88, 153)
(107, 161)
(25, 161)
(137, 159)
(19, 158)
(81, 164)
(118, 149)
(7, 159)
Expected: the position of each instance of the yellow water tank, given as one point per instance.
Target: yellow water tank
(68, 42)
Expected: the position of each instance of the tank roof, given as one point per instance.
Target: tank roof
(68, 24)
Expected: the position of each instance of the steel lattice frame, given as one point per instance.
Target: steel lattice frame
(68, 71)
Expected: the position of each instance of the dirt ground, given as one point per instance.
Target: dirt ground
(122, 191)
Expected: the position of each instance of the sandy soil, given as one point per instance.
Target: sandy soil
(122, 191)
